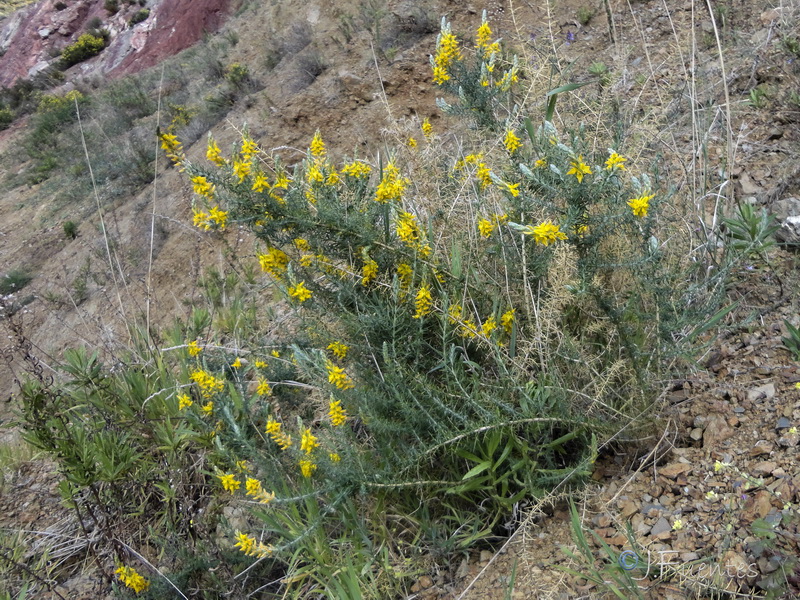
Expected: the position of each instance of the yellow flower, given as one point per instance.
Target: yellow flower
(427, 128)
(193, 348)
(241, 169)
(229, 482)
(640, 205)
(208, 384)
(357, 169)
(513, 189)
(540, 163)
(249, 147)
(332, 178)
(793, 430)
(423, 302)
(246, 543)
(307, 468)
(677, 524)
(484, 175)
(275, 354)
(184, 401)
(317, 146)
(719, 466)
(483, 36)
(338, 377)
(274, 262)
(213, 153)
(170, 143)
(489, 325)
(545, 233)
(339, 349)
(202, 186)
(486, 227)
(712, 495)
(281, 181)
(260, 183)
(511, 142)
(237, 363)
(279, 437)
(507, 321)
(615, 161)
(446, 52)
(336, 413)
(391, 185)
(404, 274)
(260, 364)
(411, 143)
(300, 292)
(218, 217)
(369, 272)
(579, 169)
(242, 466)
(132, 579)
(308, 442)
(208, 408)
(334, 457)
(263, 388)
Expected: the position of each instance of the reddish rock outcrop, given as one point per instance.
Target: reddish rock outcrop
(31, 38)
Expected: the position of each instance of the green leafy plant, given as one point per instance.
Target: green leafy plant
(758, 97)
(600, 70)
(584, 15)
(14, 281)
(139, 16)
(792, 341)
(85, 47)
(751, 232)
(70, 229)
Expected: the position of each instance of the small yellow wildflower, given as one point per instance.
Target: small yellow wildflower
(317, 146)
(615, 161)
(184, 401)
(339, 349)
(334, 457)
(484, 175)
(208, 384)
(489, 325)
(213, 153)
(249, 147)
(446, 52)
(274, 262)
(300, 292)
(307, 468)
(797, 385)
(261, 183)
(404, 274)
(170, 143)
(246, 543)
(242, 466)
(357, 169)
(411, 143)
(260, 364)
(229, 482)
(132, 579)
(193, 348)
(579, 169)
(337, 414)
(423, 302)
(793, 430)
(241, 169)
(369, 272)
(202, 186)
(391, 185)
(719, 466)
(338, 377)
(208, 408)
(483, 36)
(308, 442)
(507, 321)
(711, 495)
(511, 142)
(332, 178)
(640, 205)
(217, 217)
(263, 388)
(540, 163)
(677, 524)
(427, 128)
(275, 354)
(273, 430)
(545, 233)
(513, 189)
(486, 227)
(237, 363)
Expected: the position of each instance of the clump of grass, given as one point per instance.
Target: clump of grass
(14, 281)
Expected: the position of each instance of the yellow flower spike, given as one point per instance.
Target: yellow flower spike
(447, 51)
(249, 148)
(307, 468)
(640, 205)
(308, 442)
(423, 303)
(483, 35)
(193, 348)
(513, 189)
(411, 143)
(484, 175)
(391, 185)
(263, 388)
(338, 377)
(229, 482)
(300, 292)
(427, 128)
(252, 486)
(261, 183)
(677, 524)
(405, 274)
(540, 163)
(545, 233)
(579, 169)
(369, 272)
(489, 325)
(242, 466)
(132, 579)
(337, 414)
(357, 169)
(615, 161)
(242, 169)
(333, 178)
(246, 543)
(237, 363)
(260, 364)
(334, 457)
(317, 146)
(275, 354)
(213, 153)
(486, 228)
(507, 321)
(184, 401)
(218, 217)
(274, 262)
(202, 186)
(511, 142)
(339, 349)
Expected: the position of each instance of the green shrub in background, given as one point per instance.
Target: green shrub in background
(85, 47)
(466, 328)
